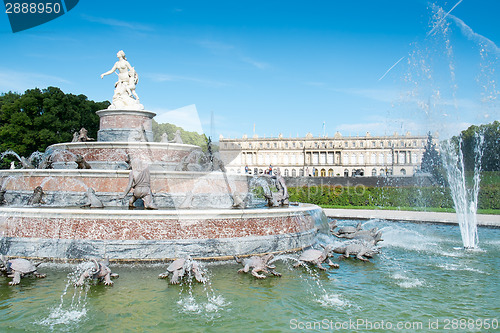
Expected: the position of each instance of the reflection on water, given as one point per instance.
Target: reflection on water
(419, 275)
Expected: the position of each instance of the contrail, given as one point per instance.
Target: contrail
(397, 62)
(441, 20)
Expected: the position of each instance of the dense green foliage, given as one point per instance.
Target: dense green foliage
(39, 118)
(491, 146)
(192, 138)
(435, 197)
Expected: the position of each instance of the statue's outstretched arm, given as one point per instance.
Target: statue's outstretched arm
(110, 71)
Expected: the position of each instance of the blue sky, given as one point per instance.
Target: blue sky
(227, 67)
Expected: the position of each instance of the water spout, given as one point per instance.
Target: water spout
(465, 199)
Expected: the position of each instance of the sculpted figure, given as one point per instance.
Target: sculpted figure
(362, 250)
(100, 271)
(258, 264)
(2, 196)
(18, 268)
(36, 197)
(280, 198)
(81, 136)
(182, 266)
(177, 137)
(125, 96)
(92, 200)
(317, 257)
(140, 181)
(81, 163)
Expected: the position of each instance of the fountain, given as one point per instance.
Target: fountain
(465, 199)
(194, 215)
(433, 93)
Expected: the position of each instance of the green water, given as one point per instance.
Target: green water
(421, 276)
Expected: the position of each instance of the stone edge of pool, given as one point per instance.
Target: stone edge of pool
(483, 220)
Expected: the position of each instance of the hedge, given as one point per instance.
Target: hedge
(432, 197)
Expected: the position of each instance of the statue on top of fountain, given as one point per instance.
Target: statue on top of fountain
(125, 97)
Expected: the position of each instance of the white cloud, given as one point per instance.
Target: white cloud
(223, 48)
(161, 77)
(186, 117)
(469, 33)
(257, 64)
(382, 95)
(20, 81)
(117, 23)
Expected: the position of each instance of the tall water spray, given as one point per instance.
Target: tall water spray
(439, 103)
(465, 198)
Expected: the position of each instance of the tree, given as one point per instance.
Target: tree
(192, 138)
(34, 120)
(430, 159)
(490, 150)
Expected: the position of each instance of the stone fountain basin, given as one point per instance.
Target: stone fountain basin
(67, 187)
(143, 235)
(112, 155)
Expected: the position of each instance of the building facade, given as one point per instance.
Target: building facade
(337, 156)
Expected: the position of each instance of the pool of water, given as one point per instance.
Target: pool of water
(421, 280)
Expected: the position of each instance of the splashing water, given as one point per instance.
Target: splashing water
(464, 199)
(65, 315)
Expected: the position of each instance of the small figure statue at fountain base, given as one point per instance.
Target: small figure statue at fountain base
(140, 181)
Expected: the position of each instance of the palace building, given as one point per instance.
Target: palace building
(337, 156)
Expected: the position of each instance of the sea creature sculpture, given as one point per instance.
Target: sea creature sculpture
(177, 137)
(100, 271)
(81, 136)
(359, 249)
(179, 267)
(92, 199)
(350, 235)
(370, 236)
(36, 197)
(81, 163)
(2, 196)
(257, 264)
(343, 231)
(332, 225)
(317, 257)
(18, 268)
